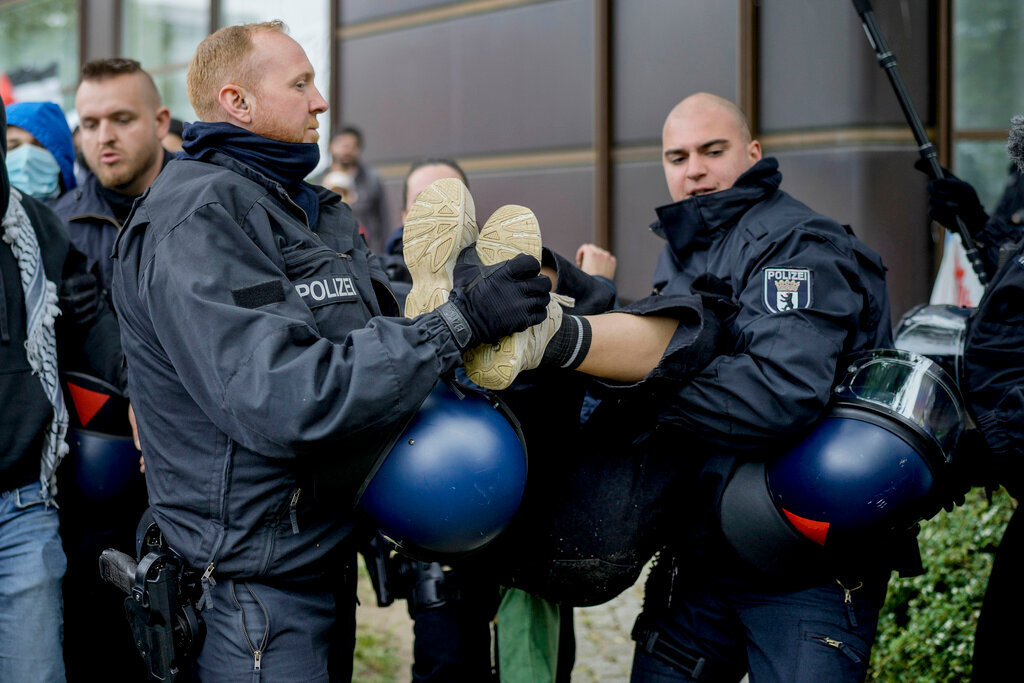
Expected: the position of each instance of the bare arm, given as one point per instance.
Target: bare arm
(625, 347)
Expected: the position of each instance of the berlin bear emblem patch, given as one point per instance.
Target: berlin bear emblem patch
(786, 289)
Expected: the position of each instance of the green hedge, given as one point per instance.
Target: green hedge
(926, 629)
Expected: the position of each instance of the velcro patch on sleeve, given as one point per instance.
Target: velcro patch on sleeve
(270, 292)
(787, 289)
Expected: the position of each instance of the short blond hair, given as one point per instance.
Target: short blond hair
(222, 58)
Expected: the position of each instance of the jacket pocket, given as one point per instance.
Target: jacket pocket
(327, 284)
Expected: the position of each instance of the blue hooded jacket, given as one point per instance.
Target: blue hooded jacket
(46, 122)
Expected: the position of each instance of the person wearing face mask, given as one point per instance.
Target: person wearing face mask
(41, 156)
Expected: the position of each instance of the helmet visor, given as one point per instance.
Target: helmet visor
(909, 388)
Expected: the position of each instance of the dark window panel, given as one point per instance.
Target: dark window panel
(509, 81)
(639, 187)
(817, 68)
(664, 51)
(561, 198)
(355, 11)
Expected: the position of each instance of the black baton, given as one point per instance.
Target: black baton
(887, 60)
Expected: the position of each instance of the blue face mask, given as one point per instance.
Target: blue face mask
(34, 171)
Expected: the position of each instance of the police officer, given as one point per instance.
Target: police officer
(809, 295)
(758, 303)
(266, 378)
(993, 384)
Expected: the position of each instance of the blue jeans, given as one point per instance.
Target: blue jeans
(32, 566)
(802, 636)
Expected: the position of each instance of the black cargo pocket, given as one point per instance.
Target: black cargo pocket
(827, 652)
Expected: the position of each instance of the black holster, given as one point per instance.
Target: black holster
(430, 585)
(395, 576)
(160, 607)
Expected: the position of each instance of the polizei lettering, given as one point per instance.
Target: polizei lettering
(326, 290)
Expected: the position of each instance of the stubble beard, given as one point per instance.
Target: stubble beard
(127, 171)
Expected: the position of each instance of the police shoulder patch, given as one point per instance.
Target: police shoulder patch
(786, 289)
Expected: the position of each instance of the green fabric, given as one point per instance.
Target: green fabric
(527, 638)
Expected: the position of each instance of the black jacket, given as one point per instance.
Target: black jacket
(994, 372)
(778, 376)
(91, 346)
(259, 359)
(810, 295)
(92, 224)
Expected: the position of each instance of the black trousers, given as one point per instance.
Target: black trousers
(999, 626)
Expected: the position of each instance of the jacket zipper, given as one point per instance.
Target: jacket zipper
(308, 256)
(293, 515)
(848, 600)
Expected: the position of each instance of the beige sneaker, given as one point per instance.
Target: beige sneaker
(440, 224)
(510, 231)
(496, 366)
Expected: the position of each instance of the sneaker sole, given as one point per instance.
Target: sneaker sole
(510, 231)
(440, 224)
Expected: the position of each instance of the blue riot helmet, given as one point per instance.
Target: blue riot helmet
(102, 466)
(454, 478)
(864, 474)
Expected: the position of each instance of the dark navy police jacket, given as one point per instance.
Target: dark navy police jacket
(259, 360)
(994, 371)
(811, 295)
(91, 224)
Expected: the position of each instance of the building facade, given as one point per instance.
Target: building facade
(558, 104)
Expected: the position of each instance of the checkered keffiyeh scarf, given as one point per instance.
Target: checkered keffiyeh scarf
(41, 342)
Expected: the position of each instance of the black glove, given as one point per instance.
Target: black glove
(991, 466)
(491, 302)
(716, 297)
(950, 197)
(969, 467)
(79, 298)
